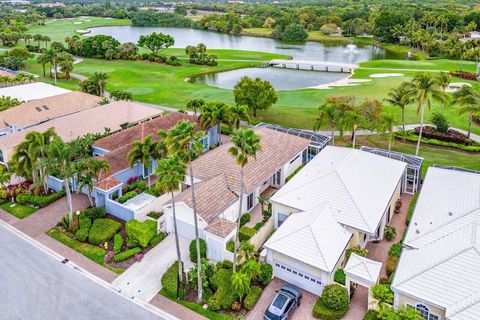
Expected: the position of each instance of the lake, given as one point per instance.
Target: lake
(282, 79)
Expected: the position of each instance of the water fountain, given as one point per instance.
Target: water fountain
(351, 48)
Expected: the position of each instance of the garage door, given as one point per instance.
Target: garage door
(298, 277)
(185, 229)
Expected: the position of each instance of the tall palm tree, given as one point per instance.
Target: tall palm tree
(425, 88)
(184, 142)
(101, 79)
(53, 57)
(171, 173)
(239, 113)
(215, 114)
(400, 97)
(43, 59)
(143, 152)
(328, 115)
(60, 156)
(469, 101)
(89, 170)
(352, 119)
(443, 80)
(246, 144)
(195, 105)
(46, 39)
(388, 123)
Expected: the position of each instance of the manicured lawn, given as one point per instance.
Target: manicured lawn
(18, 210)
(92, 252)
(431, 155)
(59, 29)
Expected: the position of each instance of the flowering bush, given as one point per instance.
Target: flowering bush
(138, 257)
(108, 257)
(132, 179)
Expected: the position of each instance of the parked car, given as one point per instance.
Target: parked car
(286, 300)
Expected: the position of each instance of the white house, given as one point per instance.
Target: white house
(343, 197)
(217, 187)
(439, 269)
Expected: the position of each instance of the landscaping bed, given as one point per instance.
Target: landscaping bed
(18, 210)
(107, 240)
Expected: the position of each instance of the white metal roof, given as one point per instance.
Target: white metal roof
(32, 91)
(441, 261)
(357, 185)
(363, 268)
(139, 201)
(313, 237)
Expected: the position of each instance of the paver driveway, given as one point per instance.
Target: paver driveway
(142, 279)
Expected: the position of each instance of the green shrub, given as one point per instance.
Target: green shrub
(414, 138)
(245, 233)
(357, 250)
(169, 281)
(157, 239)
(411, 208)
(390, 233)
(155, 215)
(439, 121)
(39, 201)
(383, 293)
(132, 242)
(127, 196)
(193, 250)
(226, 264)
(371, 315)
(82, 234)
(258, 225)
(333, 303)
(103, 230)
(96, 213)
(395, 249)
(252, 297)
(266, 273)
(126, 254)
(221, 278)
(142, 231)
(222, 299)
(117, 243)
(231, 245)
(391, 265)
(339, 276)
(244, 219)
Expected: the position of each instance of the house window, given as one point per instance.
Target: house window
(281, 218)
(250, 201)
(425, 312)
(147, 171)
(204, 142)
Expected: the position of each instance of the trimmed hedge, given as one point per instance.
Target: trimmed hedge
(157, 239)
(103, 230)
(84, 228)
(339, 276)
(29, 199)
(244, 219)
(193, 250)
(222, 299)
(117, 243)
(395, 249)
(126, 254)
(245, 233)
(332, 304)
(391, 265)
(142, 231)
(96, 213)
(169, 281)
(127, 196)
(252, 297)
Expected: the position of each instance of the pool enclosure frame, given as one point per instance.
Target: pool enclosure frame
(412, 176)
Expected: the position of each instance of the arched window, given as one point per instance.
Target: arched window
(425, 312)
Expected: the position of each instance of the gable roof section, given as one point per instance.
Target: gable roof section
(277, 149)
(212, 198)
(357, 185)
(40, 110)
(313, 237)
(139, 131)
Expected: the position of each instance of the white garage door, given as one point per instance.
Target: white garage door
(298, 277)
(185, 229)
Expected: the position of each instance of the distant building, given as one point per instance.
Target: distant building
(51, 4)
(15, 3)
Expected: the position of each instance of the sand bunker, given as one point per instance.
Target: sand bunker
(385, 75)
(347, 82)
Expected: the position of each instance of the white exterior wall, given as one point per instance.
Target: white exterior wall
(289, 168)
(402, 300)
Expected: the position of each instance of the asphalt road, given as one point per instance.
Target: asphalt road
(34, 285)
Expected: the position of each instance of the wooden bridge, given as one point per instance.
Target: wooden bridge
(314, 65)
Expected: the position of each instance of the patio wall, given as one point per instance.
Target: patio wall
(118, 210)
(262, 235)
(55, 183)
(156, 206)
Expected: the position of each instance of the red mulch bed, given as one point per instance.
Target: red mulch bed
(451, 135)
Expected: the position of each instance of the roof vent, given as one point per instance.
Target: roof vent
(38, 109)
(46, 107)
(450, 213)
(417, 231)
(416, 224)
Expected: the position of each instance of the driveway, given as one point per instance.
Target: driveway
(142, 279)
(304, 312)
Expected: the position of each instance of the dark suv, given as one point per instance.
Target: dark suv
(287, 299)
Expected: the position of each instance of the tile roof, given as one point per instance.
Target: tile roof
(221, 228)
(277, 149)
(108, 183)
(363, 268)
(313, 237)
(117, 161)
(357, 185)
(212, 198)
(129, 135)
(443, 242)
(31, 91)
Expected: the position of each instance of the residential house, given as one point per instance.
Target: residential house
(342, 198)
(438, 273)
(217, 187)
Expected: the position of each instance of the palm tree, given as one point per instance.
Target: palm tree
(400, 97)
(443, 79)
(46, 39)
(215, 114)
(38, 38)
(240, 284)
(251, 268)
(195, 105)
(184, 142)
(425, 88)
(328, 115)
(4, 175)
(143, 152)
(171, 173)
(388, 123)
(239, 113)
(60, 157)
(246, 144)
(89, 170)
(352, 119)
(101, 79)
(43, 59)
(469, 101)
(246, 252)
(53, 57)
